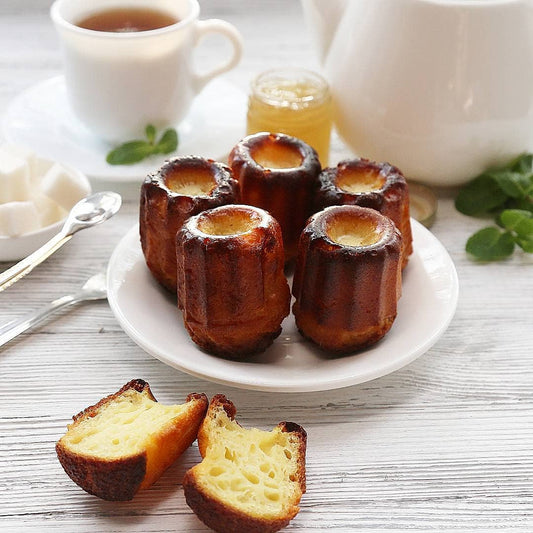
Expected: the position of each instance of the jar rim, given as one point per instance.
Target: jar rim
(277, 87)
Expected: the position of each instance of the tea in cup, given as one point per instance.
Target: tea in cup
(129, 63)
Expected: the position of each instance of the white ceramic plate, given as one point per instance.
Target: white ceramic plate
(41, 119)
(150, 317)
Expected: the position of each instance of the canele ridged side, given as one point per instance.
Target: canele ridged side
(231, 289)
(346, 297)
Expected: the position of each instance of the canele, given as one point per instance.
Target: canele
(347, 280)
(181, 188)
(231, 286)
(366, 183)
(278, 173)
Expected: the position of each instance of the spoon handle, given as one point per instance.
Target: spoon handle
(25, 266)
(12, 329)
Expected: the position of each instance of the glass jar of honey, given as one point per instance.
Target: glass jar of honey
(296, 102)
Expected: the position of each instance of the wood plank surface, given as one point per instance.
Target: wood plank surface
(445, 444)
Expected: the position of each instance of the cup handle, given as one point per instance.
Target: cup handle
(203, 27)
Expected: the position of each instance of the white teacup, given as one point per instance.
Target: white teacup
(117, 83)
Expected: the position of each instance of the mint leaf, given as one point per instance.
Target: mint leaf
(129, 153)
(529, 190)
(513, 184)
(523, 164)
(526, 243)
(168, 142)
(150, 133)
(507, 193)
(479, 196)
(519, 221)
(490, 244)
(134, 151)
(525, 204)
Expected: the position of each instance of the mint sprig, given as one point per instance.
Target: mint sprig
(134, 151)
(506, 194)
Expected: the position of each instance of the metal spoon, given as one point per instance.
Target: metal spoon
(86, 213)
(93, 289)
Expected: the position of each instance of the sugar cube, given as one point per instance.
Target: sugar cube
(14, 178)
(49, 211)
(64, 187)
(39, 166)
(17, 218)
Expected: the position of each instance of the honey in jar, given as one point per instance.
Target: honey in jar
(296, 102)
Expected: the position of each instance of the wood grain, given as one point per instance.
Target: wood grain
(444, 444)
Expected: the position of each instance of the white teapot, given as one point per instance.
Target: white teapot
(443, 89)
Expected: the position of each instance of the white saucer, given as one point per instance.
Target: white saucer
(149, 315)
(40, 118)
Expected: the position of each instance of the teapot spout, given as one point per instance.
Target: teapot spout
(323, 17)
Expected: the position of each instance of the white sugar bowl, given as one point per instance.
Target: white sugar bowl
(36, 195)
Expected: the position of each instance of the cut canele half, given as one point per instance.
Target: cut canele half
(249, 480)
(127, 440)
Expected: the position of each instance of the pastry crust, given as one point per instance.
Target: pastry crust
(347, 293)
(278, 173)
(181, 188)
(379, 186)
(113, 449)
(253, 482)
(231, 285)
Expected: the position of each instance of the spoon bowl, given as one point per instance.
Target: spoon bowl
(92, 210)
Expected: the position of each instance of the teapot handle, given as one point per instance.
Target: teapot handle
(204, 27)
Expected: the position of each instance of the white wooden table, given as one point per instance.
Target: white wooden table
(444, 444)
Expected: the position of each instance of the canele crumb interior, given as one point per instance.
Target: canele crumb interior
(128, 422)
(250, 468)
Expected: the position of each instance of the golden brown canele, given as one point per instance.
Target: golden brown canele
(249, 480)
(365, 183)
(347, 280)
(182, 187)
(278, 173)
(127, 440)
(231, 286)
